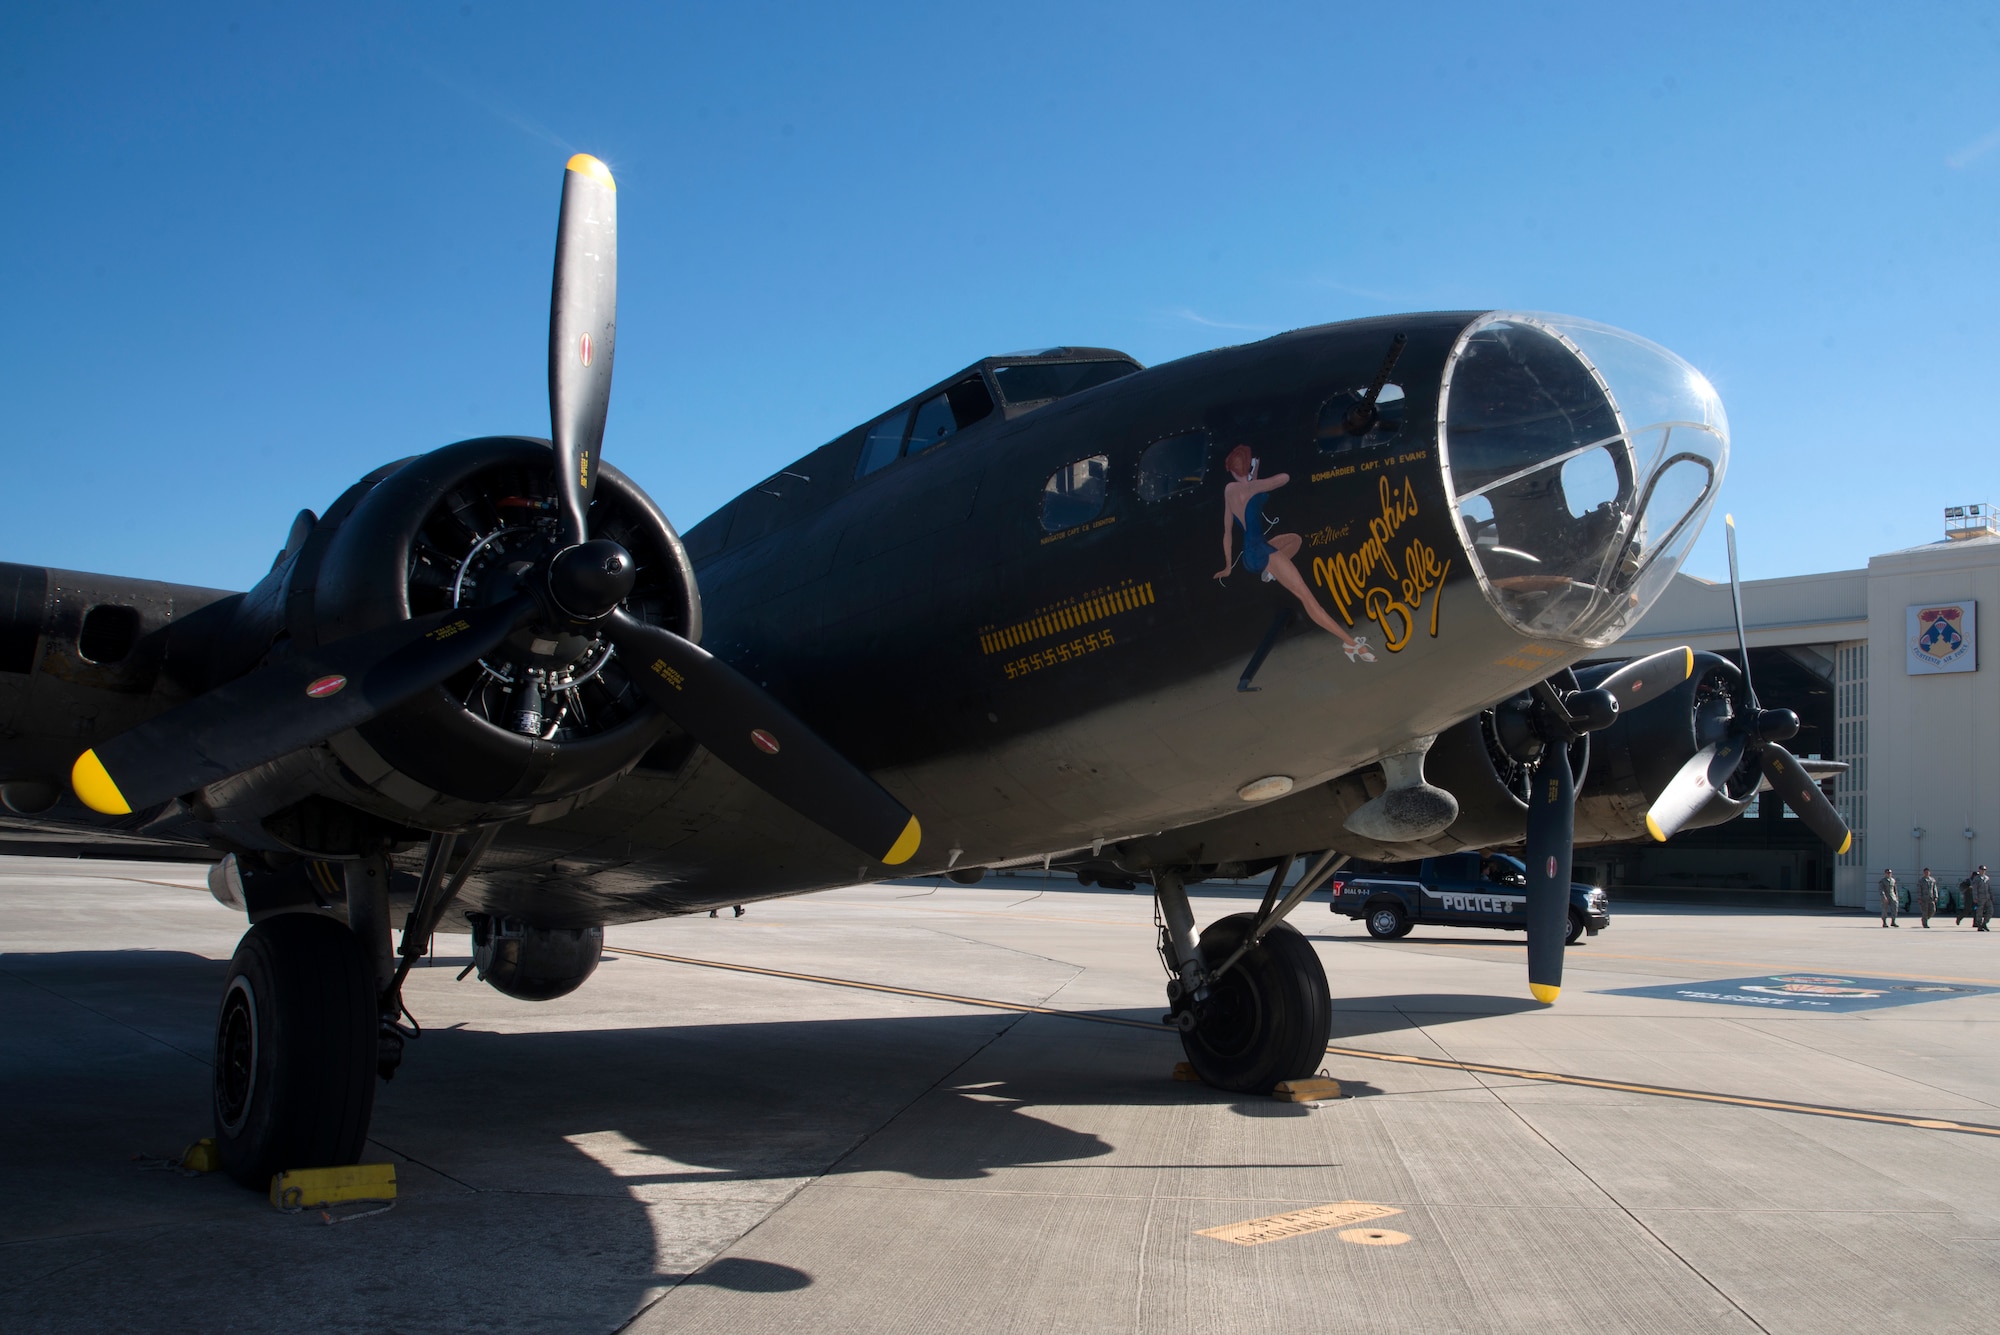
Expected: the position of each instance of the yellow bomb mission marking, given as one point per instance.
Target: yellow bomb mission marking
(1368, 575)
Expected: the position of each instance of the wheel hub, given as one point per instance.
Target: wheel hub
(1229, 1021)
(236, 1056)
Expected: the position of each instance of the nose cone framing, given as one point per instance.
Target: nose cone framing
(1582, 460)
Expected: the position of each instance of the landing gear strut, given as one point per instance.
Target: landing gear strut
(1249, 995)
(311, 1016)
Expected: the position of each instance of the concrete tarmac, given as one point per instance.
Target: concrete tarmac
(819, 1139)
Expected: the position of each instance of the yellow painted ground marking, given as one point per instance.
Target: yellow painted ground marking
(1276, 1227)
(1670, 1092)
(1373, 1237)
(1359, 1054)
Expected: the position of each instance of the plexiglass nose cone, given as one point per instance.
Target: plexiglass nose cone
(1582, 460)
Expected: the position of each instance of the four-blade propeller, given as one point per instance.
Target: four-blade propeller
(1753, 732)
(297, 701)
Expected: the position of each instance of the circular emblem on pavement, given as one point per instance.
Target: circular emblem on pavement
(765, 741)
(325, 686)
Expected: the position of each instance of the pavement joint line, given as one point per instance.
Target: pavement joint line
(1797, 1042)
(1714, 1284)
(1360, 1054)
(834, 1165)
(1020, 1007)
(982, 913)
(108, 1019)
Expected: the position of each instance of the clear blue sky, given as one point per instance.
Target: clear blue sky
(249, 251)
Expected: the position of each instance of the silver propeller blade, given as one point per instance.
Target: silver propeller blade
(583, 329)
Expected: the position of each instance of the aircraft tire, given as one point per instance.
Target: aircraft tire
(295, 1049)
(1269, 1016)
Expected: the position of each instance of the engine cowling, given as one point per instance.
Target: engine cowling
(530, 731)
(1635, 758)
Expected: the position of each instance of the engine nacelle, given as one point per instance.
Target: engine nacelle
(530, 731)
(534, 963)
(1635, 758)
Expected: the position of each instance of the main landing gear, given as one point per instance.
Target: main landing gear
(295, 1049)
(1249, 996)
(310, 1018)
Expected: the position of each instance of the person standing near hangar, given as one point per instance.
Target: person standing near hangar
(1925, 900)
(1892, 899)
(1979, 889)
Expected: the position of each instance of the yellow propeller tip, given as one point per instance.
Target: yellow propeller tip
(1846, 843)
(585, 165)
(94, 787)
(1687, 668)
(1653, 828)
(1545, 992)
(906, 843)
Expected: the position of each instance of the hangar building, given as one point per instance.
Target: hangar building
(1883, 667)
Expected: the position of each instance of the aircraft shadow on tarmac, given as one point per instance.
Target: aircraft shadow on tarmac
(541, 1160)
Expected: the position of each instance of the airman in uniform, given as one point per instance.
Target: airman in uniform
(1925, 900)
(1980, 891)
(1892, 898)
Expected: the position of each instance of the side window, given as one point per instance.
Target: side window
(930, 423)
(1346, 422)
(1173, 465)
(954, 410)
(1455, 868)
(971, 401)
(934, 423)
(1074, 493)
(884, 444)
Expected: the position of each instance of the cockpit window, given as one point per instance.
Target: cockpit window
(970, 401)
(1043, 382)
(931, 422)
(1347, 422)
(884, 444)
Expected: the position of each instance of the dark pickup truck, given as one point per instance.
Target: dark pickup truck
(1463, 890)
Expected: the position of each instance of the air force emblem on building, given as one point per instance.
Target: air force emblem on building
(1942, 638)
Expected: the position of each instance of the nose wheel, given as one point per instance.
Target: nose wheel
(295, 1049)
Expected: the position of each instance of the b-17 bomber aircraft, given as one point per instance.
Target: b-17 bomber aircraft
(1315, 597)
